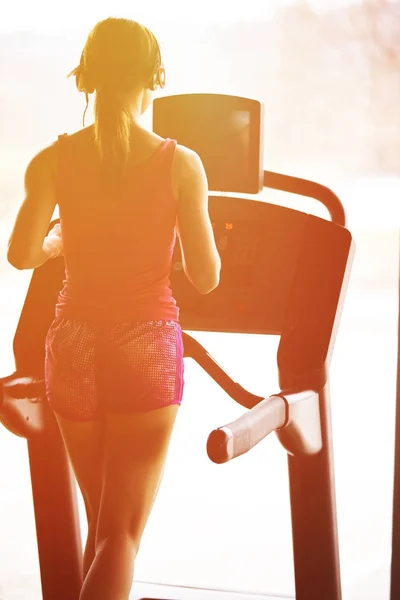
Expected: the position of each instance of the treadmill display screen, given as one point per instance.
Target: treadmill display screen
(225, 131)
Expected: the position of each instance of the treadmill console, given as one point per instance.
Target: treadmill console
(257, 268)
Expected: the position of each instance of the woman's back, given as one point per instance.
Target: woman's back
(118, 241)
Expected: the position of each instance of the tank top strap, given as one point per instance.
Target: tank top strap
(167, 152)
(169, 146)
(61, 146)
(62, 138)
(60, 152)
(164, 161)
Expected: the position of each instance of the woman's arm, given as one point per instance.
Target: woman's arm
(200, 257)
(28, 246)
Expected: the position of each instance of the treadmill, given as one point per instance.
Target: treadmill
(284, 272)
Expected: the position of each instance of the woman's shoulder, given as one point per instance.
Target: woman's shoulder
(187, 160)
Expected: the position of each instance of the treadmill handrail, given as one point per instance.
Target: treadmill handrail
(310, 189)
(238, 437)
(294, 416)
(21, 404)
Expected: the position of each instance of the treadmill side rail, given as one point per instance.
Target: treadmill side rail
(295, 418)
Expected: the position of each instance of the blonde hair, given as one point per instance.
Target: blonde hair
(119, 56)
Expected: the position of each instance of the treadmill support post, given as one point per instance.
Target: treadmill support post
(56, 515)
(314, 521)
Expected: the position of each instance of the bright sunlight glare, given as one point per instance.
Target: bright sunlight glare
(41, 16)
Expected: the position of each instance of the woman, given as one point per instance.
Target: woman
(114, 356)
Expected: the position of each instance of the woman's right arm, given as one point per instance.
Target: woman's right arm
(200, 258)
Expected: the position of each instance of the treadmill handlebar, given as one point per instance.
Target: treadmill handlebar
(295, 418)
(18, 386)
(310, 189)
(21, 402)
(241, 435)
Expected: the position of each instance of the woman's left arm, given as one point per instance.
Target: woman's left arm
(28, 246)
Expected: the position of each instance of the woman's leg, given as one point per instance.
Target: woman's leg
(136, 448)
(72, 394)
(85, 446)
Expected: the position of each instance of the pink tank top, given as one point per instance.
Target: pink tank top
(117, 250)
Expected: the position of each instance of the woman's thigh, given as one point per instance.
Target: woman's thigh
(85, 444)
(136, 448)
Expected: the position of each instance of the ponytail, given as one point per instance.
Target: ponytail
(112, 128)
(119, 55)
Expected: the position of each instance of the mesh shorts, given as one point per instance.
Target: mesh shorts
(96, 369)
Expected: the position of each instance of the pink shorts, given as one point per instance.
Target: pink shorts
(96, 369)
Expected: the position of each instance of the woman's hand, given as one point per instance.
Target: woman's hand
(53, 242)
